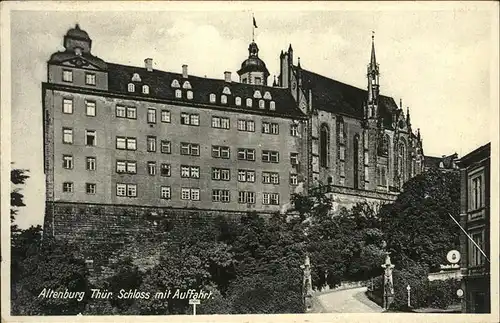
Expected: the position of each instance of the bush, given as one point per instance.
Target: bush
(442, 293)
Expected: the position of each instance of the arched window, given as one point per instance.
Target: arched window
(324, 146)
(131, 87)
(223, 99)
(145, 89)
(402, 162)
(190, 95)
(212, 98)
(178, 93)
(340, 131)
(272, 105)
(262, 104)
(383, 145)
(249, 102)
(356, 161)
(237, 101)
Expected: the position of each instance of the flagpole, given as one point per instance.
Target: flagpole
(253, 28)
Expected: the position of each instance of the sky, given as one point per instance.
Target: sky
(436, 58)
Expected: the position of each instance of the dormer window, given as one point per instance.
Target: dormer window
(186, 85)
(226, 91)
(131, 87)
(90, 78)
(178, 94)
(223, 99)
(78, 51)
(190, 95)
(261, 104)
(212, 98)
(257, 94)
(272, 105)
(237, 101)
(249, 102)
(267, 96)
(67, 76)
(145, 89)
(175, 84)
(136, 78)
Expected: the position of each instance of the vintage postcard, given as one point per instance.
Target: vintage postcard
(249, 162)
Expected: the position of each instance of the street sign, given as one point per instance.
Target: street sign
(460, 292)
(194, 301)
(453, 256)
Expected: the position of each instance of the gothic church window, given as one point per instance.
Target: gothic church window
(402, 162)
(383, 145)
(324, 146)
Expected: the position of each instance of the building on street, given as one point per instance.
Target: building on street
(475, 219)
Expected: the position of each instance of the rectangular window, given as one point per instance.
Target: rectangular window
(90, 188)
(246, 125)
(67, 135)
(367, 175)
(342, 152)
(294, 158)
(67, 161)
(121, 189)
(121, 111)
(270, 178)
(246, 197)
(270, 199)
(131, 144)
(192, 194)
(152, 168)
(166, 147)
(90, 137)
(151, 115)
(366, 158)
(185, 194)
(190, 171)
(121, 166)
(246, 175)
(476, 191)
(342, 169)
(165, 170)
(220, 122)
(190, 149)
(151, 144)
(131, 190)
(293, 179)
(67, 76)
(89, 78)
(221, 196)
(269, 156)
(68, 106)
(381, 176)
(294, 130)
(131, 167)
(275, 129)
(476, 258)
(165, 116)
(190, 119)
(131, 113)
(266, 127)
(246, 154)
(221, 174)
(91, 163)
(220, 152)
(121, 143)
(165, 192)
(90, 108)
(68, 187)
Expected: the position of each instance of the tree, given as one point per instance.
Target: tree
(417, 226)
(17, 177)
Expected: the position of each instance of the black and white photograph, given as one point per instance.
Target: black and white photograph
(230, 161)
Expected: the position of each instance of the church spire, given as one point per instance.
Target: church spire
(373, 60)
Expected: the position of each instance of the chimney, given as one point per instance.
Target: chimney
(148, 64)
(184, 71)
(227, 77)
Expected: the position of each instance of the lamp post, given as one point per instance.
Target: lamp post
(408, 288)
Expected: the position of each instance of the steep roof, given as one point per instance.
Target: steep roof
(435, 162)
(476, 155)
(160, 82)
(337, 97)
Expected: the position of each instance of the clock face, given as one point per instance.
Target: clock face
(294, 85)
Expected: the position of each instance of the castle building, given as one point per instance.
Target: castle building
(475, 219)
(132, 140)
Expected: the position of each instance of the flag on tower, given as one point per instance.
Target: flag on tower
(254, 22)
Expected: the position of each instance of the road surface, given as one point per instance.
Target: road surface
(348, 301)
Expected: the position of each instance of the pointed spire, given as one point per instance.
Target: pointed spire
(77, 26)
(275, 83)
(400, 103)
(373, 60)
(290, 48)
(298, 64)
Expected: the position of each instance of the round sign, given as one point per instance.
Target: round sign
(453, 256)
(460, 292)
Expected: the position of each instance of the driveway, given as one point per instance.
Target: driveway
(348, 301)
